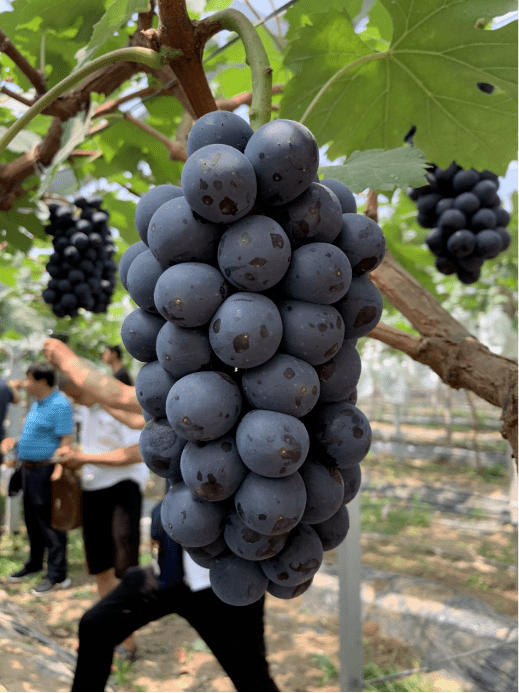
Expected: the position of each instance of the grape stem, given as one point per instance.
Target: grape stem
(146, 56)
(256, 58)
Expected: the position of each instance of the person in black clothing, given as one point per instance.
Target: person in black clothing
(112, 357)
(234, 634)
(8, 395)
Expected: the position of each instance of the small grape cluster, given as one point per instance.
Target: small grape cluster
(252, 285)
(82, 271)
(468, 224)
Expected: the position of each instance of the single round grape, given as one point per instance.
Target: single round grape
(188, 294)
(341, 433)
(484, 218)
(324, 491)
(285, 158)
(361, 308)
(340, 375)
(426, 204)
(161, 448)
(246, 330)
(219, 183)
(203, 406)
(236, 581)
(363, 242)
(452, 220)
(344, 194)
(445, 265)
(311, 332)
(486, 192)
(315, 215)
(506, 239)
(219, 127)
(248, 544)
(148, 205)
(189, 520)
(333, 531)
(203, 555)
(298, 560)
(271, 506)
(152, 386)
(352, 478)
(318, 273)
(467, 202)
(143, 274)
(213, 470)
(284, 383)
(177, 234)
(183, 350)
(463, 181)
(435, 241)
(488, 243)
(272, 444)
(461, 243)
(139, 333)
(254, 253)
(288, 592)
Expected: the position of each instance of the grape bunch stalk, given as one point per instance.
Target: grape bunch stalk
(252, 286)
(463, 209)
(82, 271)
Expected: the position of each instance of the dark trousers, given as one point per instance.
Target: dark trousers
(37, 509)
(234, 634)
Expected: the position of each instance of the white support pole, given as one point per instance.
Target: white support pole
(350, 617)
(13, 506)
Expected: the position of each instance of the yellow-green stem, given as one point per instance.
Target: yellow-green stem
(258, 61)
(133, 55)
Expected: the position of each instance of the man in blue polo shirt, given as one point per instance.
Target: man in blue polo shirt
(48, 425)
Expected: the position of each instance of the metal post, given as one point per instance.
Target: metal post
(350, 618)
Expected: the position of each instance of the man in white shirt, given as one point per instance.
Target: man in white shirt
(113, 477)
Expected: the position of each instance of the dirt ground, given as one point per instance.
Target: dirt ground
(303, 646)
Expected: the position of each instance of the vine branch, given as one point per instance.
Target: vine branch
(34, 76)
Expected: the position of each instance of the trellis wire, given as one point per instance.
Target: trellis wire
(436, 666)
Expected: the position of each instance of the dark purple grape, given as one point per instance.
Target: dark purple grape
(344, 194)
(271, 506)
(315, 215)
(248, 544)
(161, 448)
(467, 202)
(484, 218)
(298, 560)
(203, 406)
(139, 333)
(246, 330)
(284, 383)
(285, 158)
(363, 242)
(318, 273)
(219, 127)
(236, 581)
(149, 203)
(352, 478)
(188, 294)
(254, 253)
(340, 433)
(190, 520)
(464, 180)
(272, 444)
(361, 308)
(461, 243)
(182, 350)
(286, 592)
(311, 332)
(333, 531)
(452, 220)
(486, 192)
(143, 274)
(340, 375)
(213, 470)
(219, 183)
(177, 234)
(324, 491)
(488, 244)
(152, 386)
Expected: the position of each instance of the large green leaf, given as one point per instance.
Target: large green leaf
(380, 170)
(356, 97)
(117, 14)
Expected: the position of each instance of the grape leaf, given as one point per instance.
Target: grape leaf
(356, 97)
(117, 14)
(380, 170)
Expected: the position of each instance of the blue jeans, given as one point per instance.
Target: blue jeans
(37, 509)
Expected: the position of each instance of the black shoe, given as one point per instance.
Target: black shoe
(22, 574)
(48, 586)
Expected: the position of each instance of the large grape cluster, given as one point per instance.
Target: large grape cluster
(468, 223)
(82, 271)
(252, 286)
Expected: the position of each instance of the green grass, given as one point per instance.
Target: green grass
(325, 664)
(504, 554)
(416, 683)
(376, 517)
